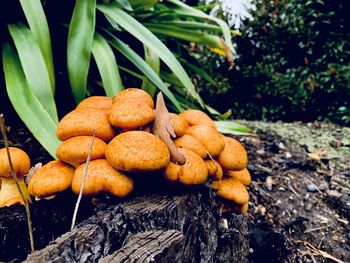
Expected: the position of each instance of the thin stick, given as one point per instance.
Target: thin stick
(82, 183)
(29, 219)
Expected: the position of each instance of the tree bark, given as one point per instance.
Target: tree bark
(163, 228)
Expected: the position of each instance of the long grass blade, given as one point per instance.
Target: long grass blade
(154, 62)
(144, 68)
(34, 67)
(135, 28)
(80, 37)
(27, 106)
(183, 9)
(36, 18)
(107, 65)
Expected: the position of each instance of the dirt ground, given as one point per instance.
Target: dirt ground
(300, 194)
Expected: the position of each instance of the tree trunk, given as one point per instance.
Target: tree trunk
(159, 228)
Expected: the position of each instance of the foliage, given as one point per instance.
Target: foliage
(137, 37)
(292, 64)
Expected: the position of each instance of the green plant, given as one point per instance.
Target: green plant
(139, 37)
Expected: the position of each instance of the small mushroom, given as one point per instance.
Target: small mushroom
(134, 94)
(191, 143)
(180, 124)
(54, 177)
(101, 177)
(209, 137)
(234, 156)
(137, 151)
(75, 150)
(193, 172)
(131, 115)
(232, 189)
(83, 122)
(9, 194)
(96, 102)
(243, 176)
(214, 169)
(197, 117)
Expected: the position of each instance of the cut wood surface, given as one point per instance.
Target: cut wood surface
(159, 228)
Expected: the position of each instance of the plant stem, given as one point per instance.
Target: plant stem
(82, 183)
(29, 219)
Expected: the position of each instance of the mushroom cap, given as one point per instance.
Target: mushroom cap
(197, 117)
(209, 137)
(191, 143)
(96, 102)
(134, 94)
(52, 178)
(232, 189)
(234, 156)
(193, 172)
(243, 176)
(131, 115)
(242, 209)
(137, 151)
(83, 122)
(101, 177)
(180, 124)
(20, 161)
(76, 149)
(214, 169)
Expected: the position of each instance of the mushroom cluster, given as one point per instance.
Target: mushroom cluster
(133, 137)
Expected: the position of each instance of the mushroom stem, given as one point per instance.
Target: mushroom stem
(9, 194)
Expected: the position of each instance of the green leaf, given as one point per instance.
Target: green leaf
(144, 68)
(26, 104)
(80, 37)
(154, 62)
(125, 4)
(188, 35)
(231, 127)
(36, 18)
(183, 9)
(188, 24)
(34, 67)
(107, 65)
(150, 40)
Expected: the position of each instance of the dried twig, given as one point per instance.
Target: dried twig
(29, 219)
(318, 252)
(163, 128)
(315, 229)
(82, 183)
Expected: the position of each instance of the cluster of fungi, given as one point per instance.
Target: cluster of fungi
(131, 136)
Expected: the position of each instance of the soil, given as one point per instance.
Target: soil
(300, 195)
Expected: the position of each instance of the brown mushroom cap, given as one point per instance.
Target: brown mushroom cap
(193, 172)
(197, 117)
(52, 178)
(234, 156)
(131, 115)
(134, 94)
(83, 122)
(76, 149)
(209, 137)
(243, 176)
(137, 151)
(20, 161)
(232, 189)
(191, 143)
(180, 124)
(214, 169)
(101, 177)
(96, 102)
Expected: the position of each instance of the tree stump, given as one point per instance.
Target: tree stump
(159, 228)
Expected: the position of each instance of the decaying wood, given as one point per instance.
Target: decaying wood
(164, 129)
(179, 228)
